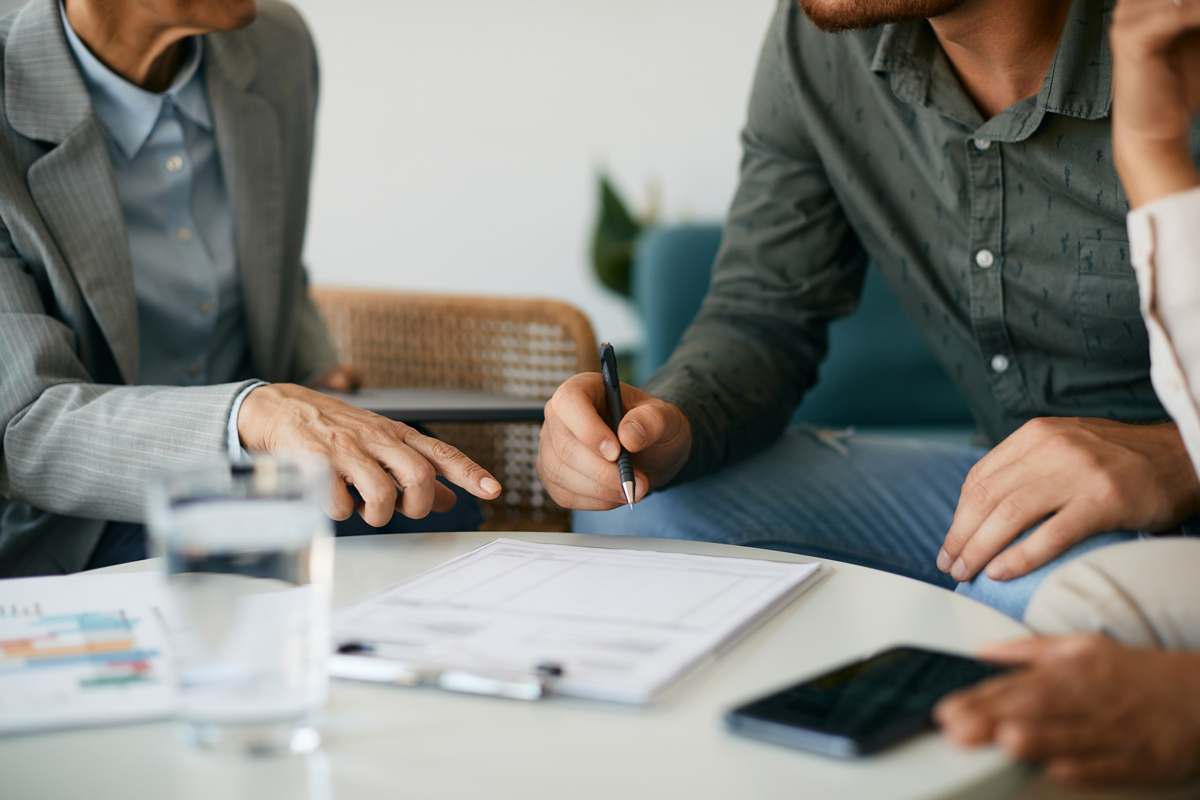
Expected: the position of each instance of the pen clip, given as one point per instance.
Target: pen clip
(515, 686)
(367, 661)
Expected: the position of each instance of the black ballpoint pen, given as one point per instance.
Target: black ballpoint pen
(612, 394)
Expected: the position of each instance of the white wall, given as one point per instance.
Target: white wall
(458, 140)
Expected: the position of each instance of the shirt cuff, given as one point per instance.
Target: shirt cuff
(1164, 246)
(1174, 216)
(237, 453)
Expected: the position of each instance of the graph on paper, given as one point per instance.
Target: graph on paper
(81, 650)
(100, 648)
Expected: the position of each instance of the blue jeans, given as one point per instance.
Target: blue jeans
(877, 501)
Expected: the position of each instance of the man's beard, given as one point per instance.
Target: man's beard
(835, 16)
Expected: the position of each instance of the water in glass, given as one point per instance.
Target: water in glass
(248, 556)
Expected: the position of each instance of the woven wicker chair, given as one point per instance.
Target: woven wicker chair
(511, 346)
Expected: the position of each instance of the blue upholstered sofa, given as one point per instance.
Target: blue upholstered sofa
(879, 374)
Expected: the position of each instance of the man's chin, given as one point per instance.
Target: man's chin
(835, 16)
(245, 13)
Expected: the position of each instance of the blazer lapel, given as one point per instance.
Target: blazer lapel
(248, 138)
(72, 185)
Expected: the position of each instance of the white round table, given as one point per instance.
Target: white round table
(391, 742)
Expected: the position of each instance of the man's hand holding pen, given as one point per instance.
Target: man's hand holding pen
(578, 452)
(616, 412)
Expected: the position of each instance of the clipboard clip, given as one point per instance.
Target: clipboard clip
(364, 661)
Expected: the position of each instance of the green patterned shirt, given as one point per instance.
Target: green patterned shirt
(1004, 239)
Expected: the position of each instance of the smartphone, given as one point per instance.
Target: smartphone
(861, 708)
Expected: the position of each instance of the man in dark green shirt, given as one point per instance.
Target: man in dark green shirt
(964, 148)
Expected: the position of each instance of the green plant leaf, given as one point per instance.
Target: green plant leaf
(614, 238)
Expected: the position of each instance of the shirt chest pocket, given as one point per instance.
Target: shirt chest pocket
(1108, 302)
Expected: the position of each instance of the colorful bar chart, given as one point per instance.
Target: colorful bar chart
(105, 641)
(82, 650)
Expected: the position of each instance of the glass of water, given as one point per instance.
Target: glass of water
(249, 561)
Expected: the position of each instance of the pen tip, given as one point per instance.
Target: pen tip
(628, 487)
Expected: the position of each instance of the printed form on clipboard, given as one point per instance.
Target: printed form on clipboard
(591, 622)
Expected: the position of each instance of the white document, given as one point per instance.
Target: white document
(622, 624)
(83, 650)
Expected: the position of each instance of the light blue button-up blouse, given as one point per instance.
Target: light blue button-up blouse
(191, 323)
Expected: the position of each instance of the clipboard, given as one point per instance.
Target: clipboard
(525, 620)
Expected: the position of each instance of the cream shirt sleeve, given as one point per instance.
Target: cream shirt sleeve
(1164, 243)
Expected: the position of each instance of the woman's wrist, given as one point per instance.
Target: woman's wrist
(1150, 170)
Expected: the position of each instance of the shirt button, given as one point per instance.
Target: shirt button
(193, 370)
(999, 363)
(174, 164)
(185, 235)
(984, 258)
(982, 144)
(205, 307)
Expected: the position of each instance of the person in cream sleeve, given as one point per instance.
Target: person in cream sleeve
(1118, 702)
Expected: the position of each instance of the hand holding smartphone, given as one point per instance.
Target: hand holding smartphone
(864, 707)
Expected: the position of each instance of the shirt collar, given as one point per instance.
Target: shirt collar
(128, 112)
(1078, 82)
(903, 53)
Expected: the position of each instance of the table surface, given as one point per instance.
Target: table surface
(444, 405)
(388, 742)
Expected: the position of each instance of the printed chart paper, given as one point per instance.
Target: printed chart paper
(82, 650)
(622, 624)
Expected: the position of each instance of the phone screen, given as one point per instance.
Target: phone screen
(862, 707)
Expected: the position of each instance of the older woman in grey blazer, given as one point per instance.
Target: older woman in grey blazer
(154, 172)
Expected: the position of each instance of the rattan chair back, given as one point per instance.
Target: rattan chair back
(512, 346)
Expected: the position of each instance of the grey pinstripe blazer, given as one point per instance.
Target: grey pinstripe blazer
(80, 437)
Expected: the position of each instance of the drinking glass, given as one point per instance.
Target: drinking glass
(249, 562)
